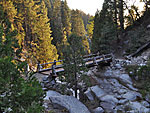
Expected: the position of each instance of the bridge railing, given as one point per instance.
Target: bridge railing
(40, 66)
(101, 57)
(92, 59)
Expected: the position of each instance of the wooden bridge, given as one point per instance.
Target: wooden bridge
(90, 61)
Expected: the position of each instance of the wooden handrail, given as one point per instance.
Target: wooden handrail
(51, 62)
(87, 60)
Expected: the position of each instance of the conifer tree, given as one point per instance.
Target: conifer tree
(96, 33)
(16, 24)
(17, 94)
(104, 30)
(90, 27)
(45, 51)
(30, 19)
(73, 61)
(56, 25)
(77, 23)
(49, 7)
(65, 16)
(78, 28)
(121, 14)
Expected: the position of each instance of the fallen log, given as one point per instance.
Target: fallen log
(145, 46)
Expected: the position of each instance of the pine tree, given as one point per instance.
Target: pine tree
(73, 61)
(121, 15)
(65, 16)
(45, 51)
(16, 24)
(17, 94)
(32, 24)
(78, 28)
(90, 27)
(77, 23)
(49, 7)
(104, 30)
(96, 33)
(56, 25)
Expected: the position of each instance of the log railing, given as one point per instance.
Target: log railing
(90, 60)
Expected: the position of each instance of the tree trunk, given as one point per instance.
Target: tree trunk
(76, 93)
(75, 80)
(121, 15)
(75, 73)
(115, 7)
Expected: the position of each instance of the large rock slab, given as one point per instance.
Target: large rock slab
(145, 103)
(125, 78)
(105, 85)
(98, 110)
(131, 95)
(89, 95)
(109, 99)
(99, 92)
(108, 73)
(72, 104)
(108, 107)
(137, 107)
(51, 93)
(115, 83)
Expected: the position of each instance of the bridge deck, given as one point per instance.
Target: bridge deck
(89, 63)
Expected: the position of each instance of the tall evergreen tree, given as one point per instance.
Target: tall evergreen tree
(121, 14)
(96, 33)
(16, 24)
(73, 61)
(115, 13)
(104, 30)
(49, 7)
(78, 28)
(44, 51)
(65, 16)
(90, 27)
(56, 25)
(31, 22)
(17, 94)
(77, 23)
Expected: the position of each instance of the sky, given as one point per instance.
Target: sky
(91, 6)
(87, 6)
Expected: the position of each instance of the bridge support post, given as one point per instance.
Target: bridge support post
(105, 60)
(53, 74)
(38, 67)
(94, 61)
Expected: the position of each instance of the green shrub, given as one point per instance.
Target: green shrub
(142, 75)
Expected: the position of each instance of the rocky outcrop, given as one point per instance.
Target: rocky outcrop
(115, 92)
(72, 104)
(112, 92)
